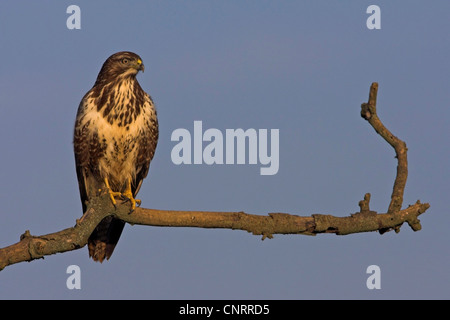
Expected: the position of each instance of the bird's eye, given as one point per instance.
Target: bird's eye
(125, 60)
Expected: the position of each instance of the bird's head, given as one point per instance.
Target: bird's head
(123, 64)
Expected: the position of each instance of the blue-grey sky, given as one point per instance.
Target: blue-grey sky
(303, 67)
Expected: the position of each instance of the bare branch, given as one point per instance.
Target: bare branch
(34, 247)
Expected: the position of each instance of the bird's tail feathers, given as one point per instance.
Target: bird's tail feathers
(104, 239)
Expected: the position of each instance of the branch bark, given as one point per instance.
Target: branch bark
(369, 112)
(34, 247)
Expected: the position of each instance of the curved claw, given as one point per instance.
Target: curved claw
(129, 197)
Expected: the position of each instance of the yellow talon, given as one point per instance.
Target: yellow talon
(128, 194)
(112, 194)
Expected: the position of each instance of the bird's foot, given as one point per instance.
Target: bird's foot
(112, 194)
(129, 197)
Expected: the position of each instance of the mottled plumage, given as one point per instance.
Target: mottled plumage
(115, 137)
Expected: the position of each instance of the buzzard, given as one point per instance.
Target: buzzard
(115, 137)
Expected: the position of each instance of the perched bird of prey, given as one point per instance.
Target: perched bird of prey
(115, 137)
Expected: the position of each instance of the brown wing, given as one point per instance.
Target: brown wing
(84, 145)
(147, 148)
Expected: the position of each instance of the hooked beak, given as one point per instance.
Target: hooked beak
(140, 66)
